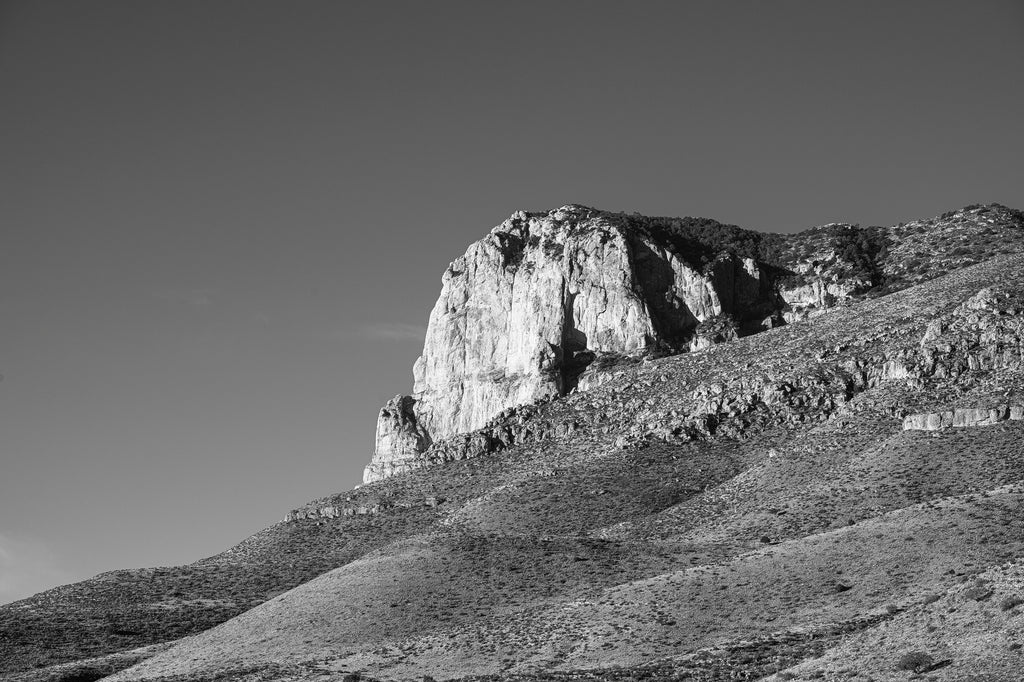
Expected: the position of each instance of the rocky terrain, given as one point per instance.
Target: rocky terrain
(550, 303)
(640, 449)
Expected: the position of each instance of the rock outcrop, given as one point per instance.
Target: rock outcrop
(962, 417)
(983, 334)
(552, 302)
(524, 314)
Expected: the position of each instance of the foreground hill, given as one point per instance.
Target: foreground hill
(816, 501)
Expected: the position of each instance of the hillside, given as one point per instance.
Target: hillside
(813, 501)
(549, 303)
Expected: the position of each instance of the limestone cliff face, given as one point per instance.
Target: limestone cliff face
(551, 302)
(915, 345)
(398, 432)
(543, 304)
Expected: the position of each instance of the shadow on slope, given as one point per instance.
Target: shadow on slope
(874, 569)
(971, 631)
(434, 583)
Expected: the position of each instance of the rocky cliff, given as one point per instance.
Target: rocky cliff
(813, 381)
(764, 504)
(547, 302)
(551, 302)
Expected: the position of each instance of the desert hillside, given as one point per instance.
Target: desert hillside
(639, 448)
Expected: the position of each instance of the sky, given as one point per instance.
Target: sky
(224, 222)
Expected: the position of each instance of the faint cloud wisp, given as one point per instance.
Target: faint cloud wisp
(189, 297)
(393, 331)
(27, 567)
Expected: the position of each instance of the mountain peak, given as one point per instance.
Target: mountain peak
(547, 302)
(658, 448)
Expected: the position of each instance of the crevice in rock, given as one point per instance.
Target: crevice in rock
(575, 355)
(673, 322)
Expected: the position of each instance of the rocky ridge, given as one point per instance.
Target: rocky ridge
(543, 303)
(983, 334)
(814, 511)
(551, 303)
(724, 513)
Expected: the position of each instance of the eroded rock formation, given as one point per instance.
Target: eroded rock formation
(983, 334)
(962, 416)
(524, 314)
(552, 302)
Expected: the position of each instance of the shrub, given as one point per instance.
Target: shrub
(978, 593)
(915, 661)
(863, 249)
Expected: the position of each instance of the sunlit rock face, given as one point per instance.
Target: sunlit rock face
(400, 435)
(525, 311)
(818, 295)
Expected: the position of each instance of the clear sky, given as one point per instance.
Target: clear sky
(224, 223)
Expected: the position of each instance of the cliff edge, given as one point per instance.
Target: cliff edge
(551, 302)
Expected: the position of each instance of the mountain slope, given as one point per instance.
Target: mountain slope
(812, 512)
(549, 302)
(728, 511)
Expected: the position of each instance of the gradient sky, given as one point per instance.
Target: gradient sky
(224, 223)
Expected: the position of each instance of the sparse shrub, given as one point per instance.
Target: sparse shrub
(84, 675)
(915, 661)
(1011, 602)
(931, 599)
(978, 592)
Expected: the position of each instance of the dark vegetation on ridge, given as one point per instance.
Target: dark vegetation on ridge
(958, 237)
